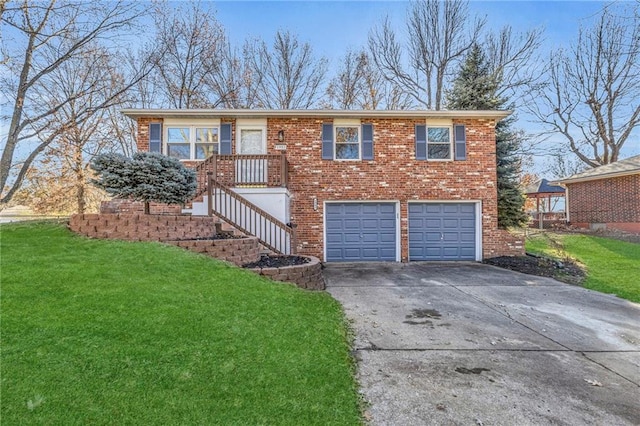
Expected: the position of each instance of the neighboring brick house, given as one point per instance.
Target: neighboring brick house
(355, 185)
(605, 197)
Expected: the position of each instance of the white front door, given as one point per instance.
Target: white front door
(252, 140)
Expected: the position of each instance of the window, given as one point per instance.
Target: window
(206, 142)
(178, 145)
(435, 142)
(347, 142)
(438, 143)
(192, 142)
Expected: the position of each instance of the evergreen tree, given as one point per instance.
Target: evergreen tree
(147, 177)
(476, 88)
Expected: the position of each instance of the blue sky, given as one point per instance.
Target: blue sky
(332, 26)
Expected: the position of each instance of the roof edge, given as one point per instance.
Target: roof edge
(135, 113)
(596, 177)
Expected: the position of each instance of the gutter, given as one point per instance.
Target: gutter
(622, 173)
(135, 113)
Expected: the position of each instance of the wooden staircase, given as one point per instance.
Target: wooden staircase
(245, 216)
(215, 197)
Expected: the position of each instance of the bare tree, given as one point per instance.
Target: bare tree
(562, 166)
(48, 36)
(591, 96)
(234, 81)
(439, 34)
(190, 39)
(344, 91)
(78, 141)
(513, 62)
(360, 85)
(287, 75)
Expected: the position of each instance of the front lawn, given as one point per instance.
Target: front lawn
(108, 332)
(612, 266)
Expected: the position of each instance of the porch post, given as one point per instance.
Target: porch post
(210, 193)
(283, 170)
(214, 169)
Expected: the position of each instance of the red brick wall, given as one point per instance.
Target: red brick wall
(142, 139)
(393, 175)
(613, 200)
(141, 227)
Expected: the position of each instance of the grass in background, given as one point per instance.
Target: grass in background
(612, 266)
(108, 332)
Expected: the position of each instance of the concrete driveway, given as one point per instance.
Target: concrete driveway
(471, 344)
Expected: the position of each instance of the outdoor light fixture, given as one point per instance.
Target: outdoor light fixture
(281, 136)
(315, 204)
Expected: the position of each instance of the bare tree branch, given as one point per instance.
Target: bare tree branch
(591, 93)
(287, 74)
(439, 34)
(50, 36)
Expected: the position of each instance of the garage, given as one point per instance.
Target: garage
(357, 231)
(442, 231)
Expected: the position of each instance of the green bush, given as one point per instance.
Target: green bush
(147, 177)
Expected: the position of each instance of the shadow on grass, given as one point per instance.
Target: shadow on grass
(623, 249)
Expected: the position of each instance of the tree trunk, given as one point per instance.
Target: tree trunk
(81, 205)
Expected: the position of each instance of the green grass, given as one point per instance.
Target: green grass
(612, 266)
(108, 332)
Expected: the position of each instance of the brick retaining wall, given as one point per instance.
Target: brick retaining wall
(141, 227)
(182, 231)
(308, 276)
(235, 250)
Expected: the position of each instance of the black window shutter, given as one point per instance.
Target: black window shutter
(225, 139)
(367, 141)
(461, 142)
(327, 141)
(421, 142)
(155, 137)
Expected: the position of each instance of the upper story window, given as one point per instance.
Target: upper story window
(191, 141)
(347, 139)
(439, 143)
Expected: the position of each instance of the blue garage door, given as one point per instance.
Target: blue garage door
(360, 231)
(442, 231)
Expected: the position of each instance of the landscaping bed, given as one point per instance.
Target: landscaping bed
(608, 265)
(566, 271)
(270, 261)
(304, 271)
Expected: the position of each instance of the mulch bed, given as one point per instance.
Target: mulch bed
(222, 236)
(268, 261)
(565, 271)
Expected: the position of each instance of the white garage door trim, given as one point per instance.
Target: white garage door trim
(478, 217)
(396, 203)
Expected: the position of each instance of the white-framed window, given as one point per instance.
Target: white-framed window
(347, 142)
(192, 141)
(439, 143)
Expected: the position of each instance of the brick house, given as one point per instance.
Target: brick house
(343, 185)
(605, 197)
